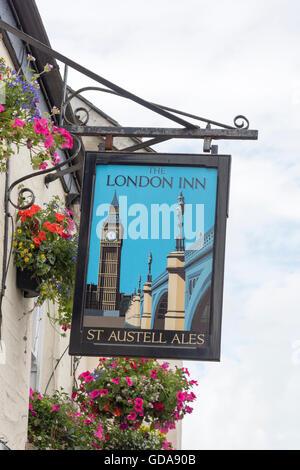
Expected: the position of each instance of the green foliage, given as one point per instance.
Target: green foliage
(21, 124)
(113, 408)
(54, 423)
(141, 439)
(135, 391)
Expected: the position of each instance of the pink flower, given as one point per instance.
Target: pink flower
(180, 396)
(185, 371)
(128, 380)
(54, 408)
(165, 366)
(40, 126)
(166, 445)
(131, 416)
(86, 376)
(43, 166)
(74, 395)
(153, 374)
(176, 415)
(68, 138)
(104, 391)
(139, 401)
(98, 432)
(179, 405)
(191, 396)
(116, 381)
(31, 392)
(1, 108)
(139, 410)
(89, 378)
(48, 142)
(158, 406)
(18, 123)
(188, 409)
(194, 382)
(94, 394)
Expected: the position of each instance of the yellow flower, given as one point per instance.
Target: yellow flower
(14, 234)
(25, 251)
(26, 260)
(19, 230)
(22, 254)
(43, 256)
(20, 244)
(30, 255)
(15, 244)
(32, 246)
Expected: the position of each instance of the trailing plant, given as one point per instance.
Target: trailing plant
(124, 404)
(45, 245)
(131, 392)
(143, 438)
(21, 123)
(54, 423)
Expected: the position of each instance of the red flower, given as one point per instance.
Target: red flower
(59, 217)
(42, 235)
(51, 227)
(133, 365)
(29, 212)
(37, 241)
(158, 406)
(59, 230)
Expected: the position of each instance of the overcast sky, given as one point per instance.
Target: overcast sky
(220, 59)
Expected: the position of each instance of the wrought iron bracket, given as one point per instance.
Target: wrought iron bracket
(240, 130)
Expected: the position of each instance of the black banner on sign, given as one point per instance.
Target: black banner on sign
(150, 264)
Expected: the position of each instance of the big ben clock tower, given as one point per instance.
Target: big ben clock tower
(108, 288)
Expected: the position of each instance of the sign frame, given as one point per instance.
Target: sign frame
(211, 350)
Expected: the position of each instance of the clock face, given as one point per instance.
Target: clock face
(111, 236)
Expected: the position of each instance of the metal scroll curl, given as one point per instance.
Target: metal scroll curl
(23, 191)
(244, 124)
(76, 111)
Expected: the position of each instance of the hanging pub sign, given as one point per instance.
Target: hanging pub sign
(150, 268)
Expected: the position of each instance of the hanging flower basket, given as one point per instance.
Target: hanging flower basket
(28, 284)
(45, 250)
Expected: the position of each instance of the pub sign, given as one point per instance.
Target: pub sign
(150, 267)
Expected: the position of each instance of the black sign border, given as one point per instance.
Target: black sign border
(212, 352)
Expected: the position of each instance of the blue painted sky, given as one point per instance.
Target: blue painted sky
(135, 252)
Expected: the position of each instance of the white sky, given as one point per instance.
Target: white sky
(220, 59)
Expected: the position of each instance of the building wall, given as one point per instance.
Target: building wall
(15, 360)
(24, 329)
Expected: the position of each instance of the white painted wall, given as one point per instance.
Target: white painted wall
(17, 340)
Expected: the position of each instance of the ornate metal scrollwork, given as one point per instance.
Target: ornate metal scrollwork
(244, 124)
(80, 109)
